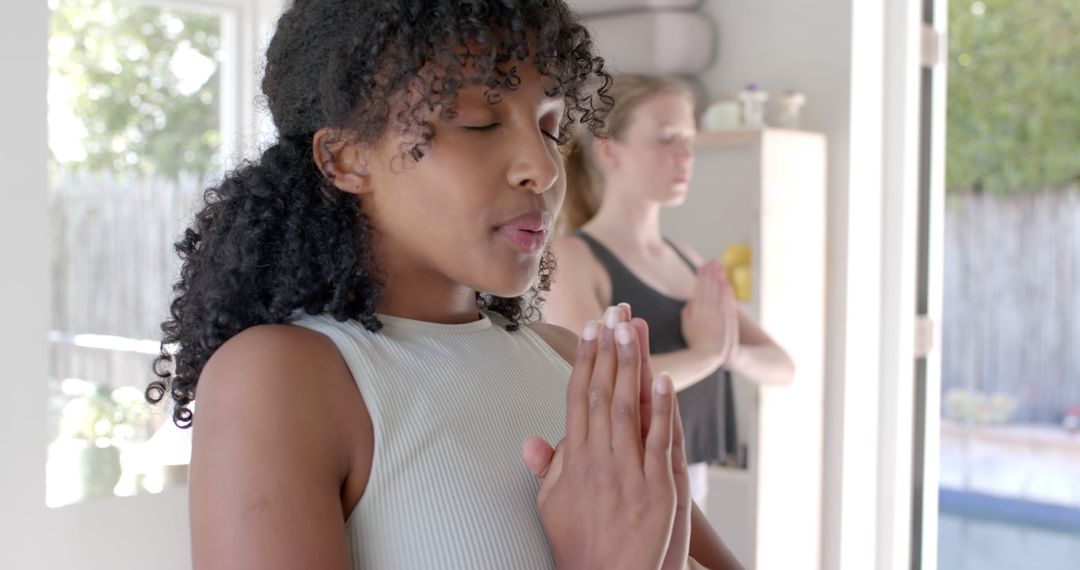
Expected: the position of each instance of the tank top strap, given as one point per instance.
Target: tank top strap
(615, 268)
(693, 267)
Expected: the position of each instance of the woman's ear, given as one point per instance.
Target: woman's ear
(607, 152)
(342, 162)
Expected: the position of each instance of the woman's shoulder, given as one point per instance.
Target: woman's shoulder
(284, 368)
(560, 339)
(577, 263)
(279, 436)
(269, 348)
(572, 248)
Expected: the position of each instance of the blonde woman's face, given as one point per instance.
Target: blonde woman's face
(655, 154)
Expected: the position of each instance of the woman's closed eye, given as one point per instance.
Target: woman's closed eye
(483, 128)
(492, 126)
(668, 139)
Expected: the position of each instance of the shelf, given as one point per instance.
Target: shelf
(711, 140)
(766, 188)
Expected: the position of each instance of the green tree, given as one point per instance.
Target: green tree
(1014, 94)
(141, 83)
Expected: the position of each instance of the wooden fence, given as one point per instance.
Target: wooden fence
(1012, 299)
(113, 265)
(113, 258)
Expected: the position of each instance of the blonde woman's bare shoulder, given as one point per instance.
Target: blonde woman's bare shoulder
(576, 263)
(581, 287)
(571, 249)
(560, 339)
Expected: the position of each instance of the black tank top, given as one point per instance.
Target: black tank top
(700, 405)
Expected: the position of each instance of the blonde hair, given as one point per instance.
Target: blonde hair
(584, 180)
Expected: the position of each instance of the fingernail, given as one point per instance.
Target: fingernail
(591, 331)
(611, 317)
(622, 333)
(625, 307)
(663, 383)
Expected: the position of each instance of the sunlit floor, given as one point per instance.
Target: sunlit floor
(975, 544)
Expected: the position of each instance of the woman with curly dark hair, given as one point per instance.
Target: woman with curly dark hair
(354, 313)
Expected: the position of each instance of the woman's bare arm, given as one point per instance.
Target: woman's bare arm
(758, 357)
(707, 549)
(270, 454)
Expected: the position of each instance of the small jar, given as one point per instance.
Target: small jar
(753, 101)
(722, 115)
(791, 105)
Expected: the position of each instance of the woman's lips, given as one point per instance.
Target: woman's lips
(527, 241)
(527, 232)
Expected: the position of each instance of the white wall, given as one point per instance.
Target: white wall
(831, 50)
(22, 222)
(22, 329)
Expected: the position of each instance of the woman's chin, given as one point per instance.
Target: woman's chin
(505, 276)
(673, 195)
(675, 198)
(510, 285)
(512, 291)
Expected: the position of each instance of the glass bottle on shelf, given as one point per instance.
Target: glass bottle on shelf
(753, 101)
(791, 104)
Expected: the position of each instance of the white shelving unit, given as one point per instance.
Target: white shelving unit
(766, 188)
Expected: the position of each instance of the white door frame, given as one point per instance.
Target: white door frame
(912, 257)
(931, 285)
(899, 241)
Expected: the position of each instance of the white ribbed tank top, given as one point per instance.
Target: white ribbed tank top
(451, 406)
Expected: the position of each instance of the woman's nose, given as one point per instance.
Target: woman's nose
(533, 168)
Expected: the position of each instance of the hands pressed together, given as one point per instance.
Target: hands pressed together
(710, 319)
(615, 491)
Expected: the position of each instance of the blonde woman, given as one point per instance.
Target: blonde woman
(614, 251)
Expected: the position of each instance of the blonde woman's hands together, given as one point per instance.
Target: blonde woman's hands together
(615, 492)
(710, 319)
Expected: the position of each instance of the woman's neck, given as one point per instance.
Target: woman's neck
(411, 294)
(626, 219)
(456, 309)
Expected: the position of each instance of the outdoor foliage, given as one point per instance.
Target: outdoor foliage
(1014, 95)
(134, 88)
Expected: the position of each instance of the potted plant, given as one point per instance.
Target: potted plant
(103, 420)
(1071, 423)
(976, 408)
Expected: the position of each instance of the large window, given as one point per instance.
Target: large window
(1010, 429)
(141, 114)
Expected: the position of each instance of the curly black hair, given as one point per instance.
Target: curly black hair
(276, 236)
